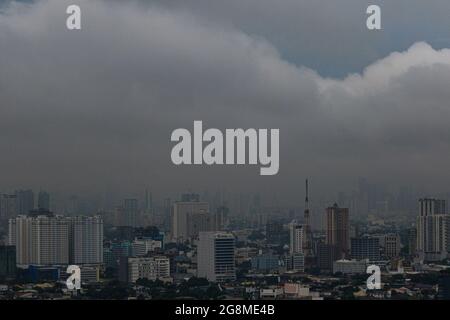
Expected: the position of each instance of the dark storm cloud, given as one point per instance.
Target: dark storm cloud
(83, 110)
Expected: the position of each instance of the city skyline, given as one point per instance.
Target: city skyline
(224, 150)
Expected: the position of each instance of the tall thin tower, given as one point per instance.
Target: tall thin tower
(307, 244)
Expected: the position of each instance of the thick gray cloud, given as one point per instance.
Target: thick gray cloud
(93, 109)
(328, 35)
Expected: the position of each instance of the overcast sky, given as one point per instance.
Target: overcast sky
(89, 110)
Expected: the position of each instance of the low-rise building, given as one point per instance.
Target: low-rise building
(349, 266)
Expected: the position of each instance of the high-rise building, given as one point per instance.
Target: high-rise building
(274, 231)
(86, 240)
(296, 236)
(392, 245)
(432, 229)
(130, 211)
(216, 257)
(44, 200)
(365, 247)
(7, 262)
(337, 230)
(219, 220)
(148, 204)
(25, 201)
(412, 241)
(8, 206)
(189, 218)
(41, 239)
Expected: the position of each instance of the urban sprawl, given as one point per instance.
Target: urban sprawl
(227, 247)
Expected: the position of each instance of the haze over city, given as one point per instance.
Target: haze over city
(231, 153)
(92, 111)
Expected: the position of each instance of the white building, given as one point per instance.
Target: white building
(152, 268)
(296, 232)
(216, 257)
(350, 266)
(272, 292)
(40, 240)
(86, 240)
(432, 229)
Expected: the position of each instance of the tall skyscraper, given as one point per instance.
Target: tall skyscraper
(432, 229)
(296, 236)
(43, 200)
(8, 206)
(188, 216)
(167, 214)
(215, 256)
(412, 241)
(148, 204)
(295, 261)
(337, 230)
(25, 201)
(86, 240)
(130, 211)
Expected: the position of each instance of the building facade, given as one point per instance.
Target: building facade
(432, 229)
(151, 268)
(216, 256)
(44, 239)
(296, 236)
(188, 219)
(7, 262)
(337, 230)
(365, 248)
(40, 240)
(86, 240)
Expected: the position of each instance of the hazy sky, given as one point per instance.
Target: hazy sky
(89, 110)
